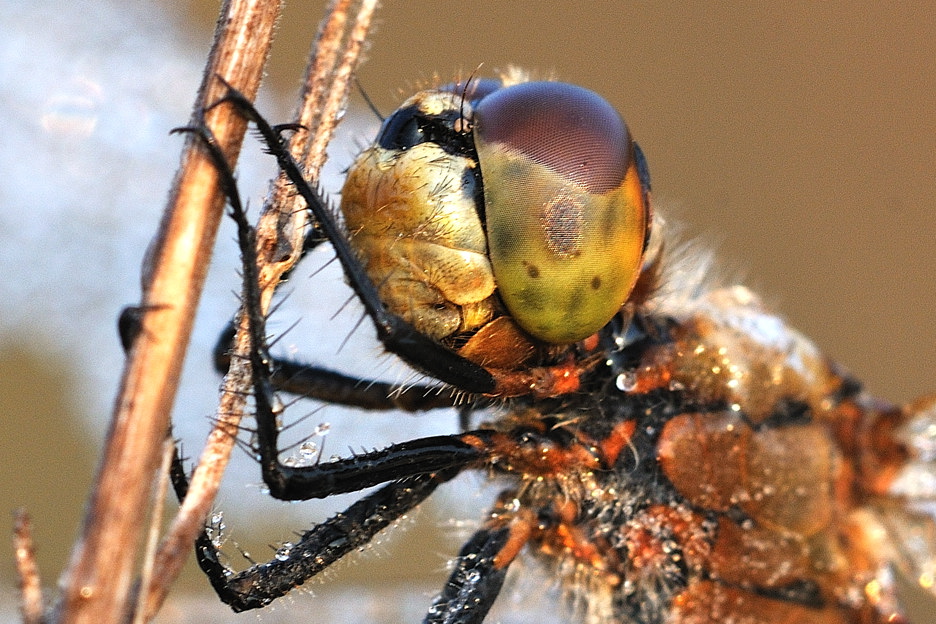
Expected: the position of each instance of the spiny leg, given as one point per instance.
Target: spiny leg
(318, 547)
(319, 481)
(415, 468)
(315, 382)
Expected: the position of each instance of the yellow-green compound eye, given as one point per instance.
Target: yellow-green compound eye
(566, 206)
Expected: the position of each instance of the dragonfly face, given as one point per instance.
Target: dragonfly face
(536, 187)
(669, 447)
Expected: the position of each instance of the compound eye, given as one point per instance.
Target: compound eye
(566, 209)
(570, 130)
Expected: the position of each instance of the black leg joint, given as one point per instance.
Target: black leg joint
(474, 584)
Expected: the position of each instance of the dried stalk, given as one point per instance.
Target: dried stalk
(97, 583)
(155, 526)
(280, 235)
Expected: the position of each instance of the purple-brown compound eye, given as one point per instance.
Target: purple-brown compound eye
(566, 207)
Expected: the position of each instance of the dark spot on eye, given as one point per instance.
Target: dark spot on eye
(596, 282)
(532, 270)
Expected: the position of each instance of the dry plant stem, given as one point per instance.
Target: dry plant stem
(322, 99)
(97, 583)
(155, 528)
(26, 568)
(279, 239)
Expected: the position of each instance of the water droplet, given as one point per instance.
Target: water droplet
(283, 552)
(307, 450)
(322, 429)
(626, 381)
(215, 529)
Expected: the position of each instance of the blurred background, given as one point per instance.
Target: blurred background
(797, 138)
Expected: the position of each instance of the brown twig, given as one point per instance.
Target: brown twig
(26, 568)
(97, 583)
(155, 526)
(280, 233)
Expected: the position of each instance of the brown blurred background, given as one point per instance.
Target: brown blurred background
(796, 137)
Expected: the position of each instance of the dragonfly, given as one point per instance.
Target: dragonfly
(669, 448)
